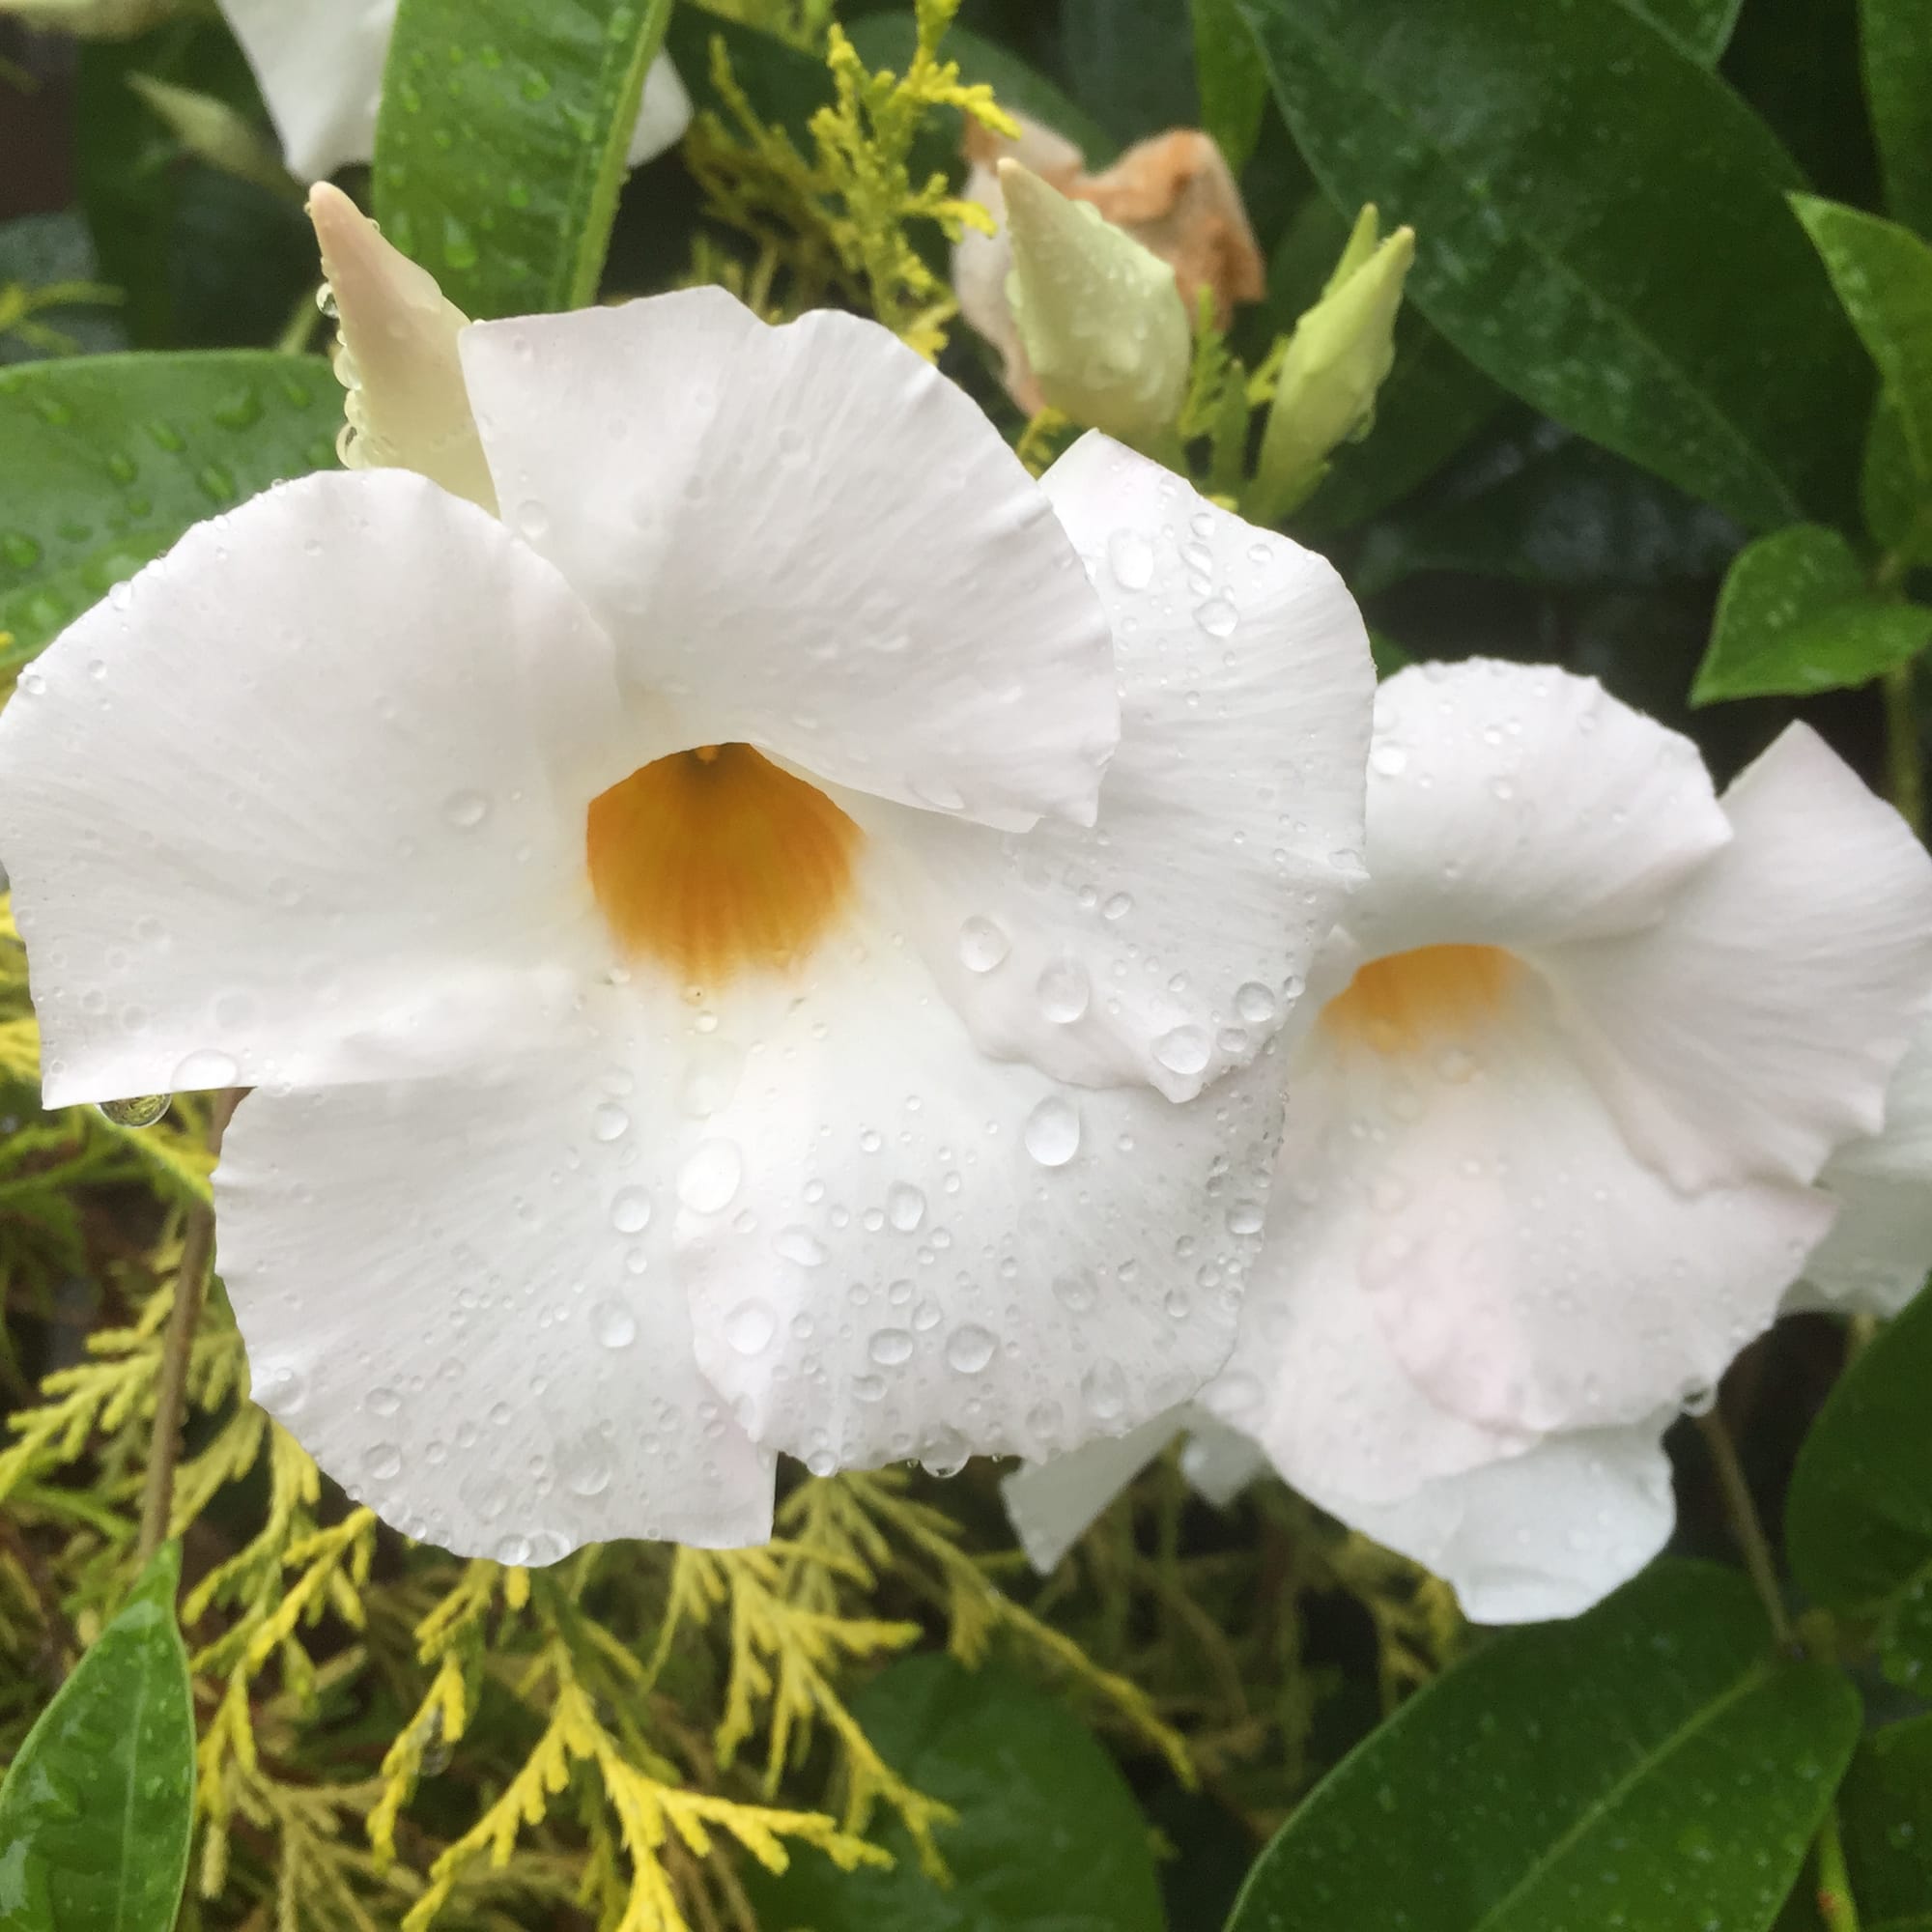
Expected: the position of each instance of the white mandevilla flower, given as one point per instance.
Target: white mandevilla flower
(1582, 1048)
(319, 64)
(699, 996)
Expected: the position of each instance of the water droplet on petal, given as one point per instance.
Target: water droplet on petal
(982, 944)
(1130, 557)
(1255, 1004)
(890, 1346)
(143, 1110)
(708, 1181)
(750, 1327)
(905, 1207)
(800, 1245)
(613, 1324)
(631, 1211)
(1065, 991)
(1184, 1050)
(970, 1348)
(610, 1122)
(1052, 1132)
(466, 809)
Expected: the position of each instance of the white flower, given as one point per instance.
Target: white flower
(319, 64)
(631, 1103)
(1582, 1048)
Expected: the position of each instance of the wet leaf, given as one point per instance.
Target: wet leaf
(1651, 1764)
(1897, 57)
(1049, 1838)
(105, 461)
(1797, 614)
(96, 1809)
(1884, 1814)
(1698, 28)
(1560, 166)
(502, 140)
(1231, 81)
(1897, 502)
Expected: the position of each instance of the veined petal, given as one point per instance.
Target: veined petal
(1527, 1270)
(319, 64)
(896, 1247)
(467, 1315)
(1539, 1535)
(1166, 943)
(1052, 1505)
(407, 407)
(807, 539)
(1515, 804)
(305, 801)
(1880, 1248)
(1754, 1030)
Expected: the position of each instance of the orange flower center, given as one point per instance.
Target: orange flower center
(1422, 997)
(713, 861)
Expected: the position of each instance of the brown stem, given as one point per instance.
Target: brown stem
(1746, 1524)
(157, 1498)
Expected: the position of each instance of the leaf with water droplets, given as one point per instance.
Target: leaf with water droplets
(1048, 1837)
(105, 459)
(96, 1809)
(1886, 1814)
(1797, 614)
(1652, 1764)
(500, 175)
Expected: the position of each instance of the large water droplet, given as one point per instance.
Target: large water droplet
(1184, 1050)
(800, 1245)
(982, 944)
(631, 1211)
(750, 1326)
(382, 1462)
(1217, 617)
(142, 1111)
(613, 1324)
(1255, 1003)
(970, 1348)
(905, 1207)
(466, 809)
(1104, 1389)
(1052, 1132)
(1065, 991)
(890, 1346)
(610, 1122)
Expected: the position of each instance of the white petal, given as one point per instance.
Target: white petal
(465, 1314)
(1219, 1462)
(898, 1247)
(320, 67)
(663, 114)
(1166, 943)
(1513, 805)
(1052, 1505)
(1544, 1534)
(305, 803)
(319, 64)
(807, 539)
(1526, 1268)
(1880, 1248)
(1754, 1031)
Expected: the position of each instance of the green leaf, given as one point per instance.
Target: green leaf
(1541, 506)
(94, 1812)
(1131, 64)
(1897, 46)
(1560, 166)
(501, 142)
(1884, 1815)
(1858, 1519)
(1897, 503)
(1796, 615)
(1231, 81)
(1883, 275)
(1701, 29)
(105, 461)
(1049, 1838)
(1649, 1765)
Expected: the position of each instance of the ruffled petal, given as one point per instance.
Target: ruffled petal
(1527, 1270)
(304, 803)
(1052, 1505)
(896, 1247)
(1515, 804)
(1165, 943)
(1754, 1030)
(1544, 1534)
(461, 1306)
(807, 539)
(1879, 1250)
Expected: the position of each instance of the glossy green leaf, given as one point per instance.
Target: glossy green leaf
(1897, 502)
(1049, 1838)
(1883, 275)
(1231, 81)
(1542, 506)
(1797, 614)
(1130, 63)
(1895, 41)
(105, 461)
(1698, 28)
(1858, 1519)
(500, 146)
(1649, 1765)
(95, 1811)
(1560, 166)
(1884, 1815)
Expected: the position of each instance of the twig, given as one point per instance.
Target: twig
(1836, 1906)
(171, 1389)
(1746, 1524)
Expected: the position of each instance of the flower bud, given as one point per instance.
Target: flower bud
(408, 406)
(1100, 317)
(212, 131)
(1338, 358)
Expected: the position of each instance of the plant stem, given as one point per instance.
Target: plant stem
(157, 1497)
(1906, 781)
(1746, 1524)
(1836, 1906)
